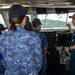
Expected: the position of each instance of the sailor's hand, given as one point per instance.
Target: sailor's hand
(69, 26)
(67, 49)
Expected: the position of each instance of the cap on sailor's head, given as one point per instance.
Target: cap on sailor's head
(36, 21)
(73, 16)
(16, 11)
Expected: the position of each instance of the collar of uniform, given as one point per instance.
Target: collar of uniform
(19, 27)
(36, 30)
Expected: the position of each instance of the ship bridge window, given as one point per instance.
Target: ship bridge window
(29, 17)
(2, 21)
(55, 21)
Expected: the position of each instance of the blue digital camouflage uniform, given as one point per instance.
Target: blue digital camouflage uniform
(44, 44)
(73, 55)
(22, 52)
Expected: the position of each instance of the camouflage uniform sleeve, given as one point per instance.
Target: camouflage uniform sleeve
(1, 46)
(45, 42)
(37, 53)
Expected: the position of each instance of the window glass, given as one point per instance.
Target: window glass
(55, 21)
(29, 17)
(2, 20)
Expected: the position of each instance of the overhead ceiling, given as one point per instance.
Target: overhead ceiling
(40, 3)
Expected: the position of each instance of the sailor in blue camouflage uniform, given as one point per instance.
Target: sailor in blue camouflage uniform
(21, 49)
(71, 48)
(44, 44)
